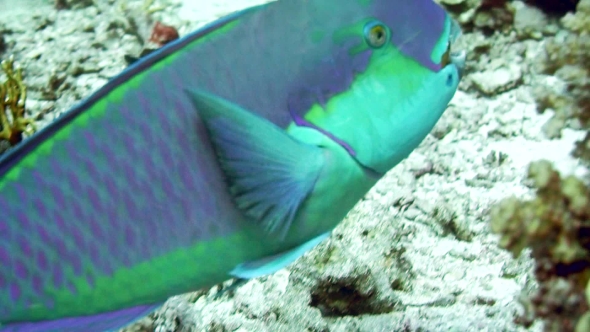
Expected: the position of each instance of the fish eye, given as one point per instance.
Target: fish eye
(376, 34)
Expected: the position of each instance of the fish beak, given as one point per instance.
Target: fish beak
(458, 59)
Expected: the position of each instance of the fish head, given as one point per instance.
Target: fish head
(395, 59)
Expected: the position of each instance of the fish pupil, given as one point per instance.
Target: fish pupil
(377, 36)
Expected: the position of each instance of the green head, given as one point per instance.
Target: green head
(394, 57)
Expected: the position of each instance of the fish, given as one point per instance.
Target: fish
(227, 153)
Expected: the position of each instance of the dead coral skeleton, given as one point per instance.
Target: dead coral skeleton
(13, 94)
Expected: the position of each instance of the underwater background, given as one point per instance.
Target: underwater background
(485, 227)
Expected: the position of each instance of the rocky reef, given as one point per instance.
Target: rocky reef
(555, 224)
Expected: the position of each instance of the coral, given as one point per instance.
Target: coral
(163, 34)
(13, 94)
(555, 225)
(159, 33)
(568, 58)
(489, 15)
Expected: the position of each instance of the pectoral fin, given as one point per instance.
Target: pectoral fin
(270, 173)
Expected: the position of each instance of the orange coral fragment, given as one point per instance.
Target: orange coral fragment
(163, 34)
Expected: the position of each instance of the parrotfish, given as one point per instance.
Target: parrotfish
(227, 153)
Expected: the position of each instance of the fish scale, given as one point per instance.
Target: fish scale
(121, 147)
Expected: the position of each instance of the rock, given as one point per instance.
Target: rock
(464, 10)
(494, 18)
(491, 82)
(529, 22)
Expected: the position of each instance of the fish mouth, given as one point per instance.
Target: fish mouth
(458, 59)
(453, 57)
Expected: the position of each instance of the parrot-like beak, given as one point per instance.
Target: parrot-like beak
(458, 59)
